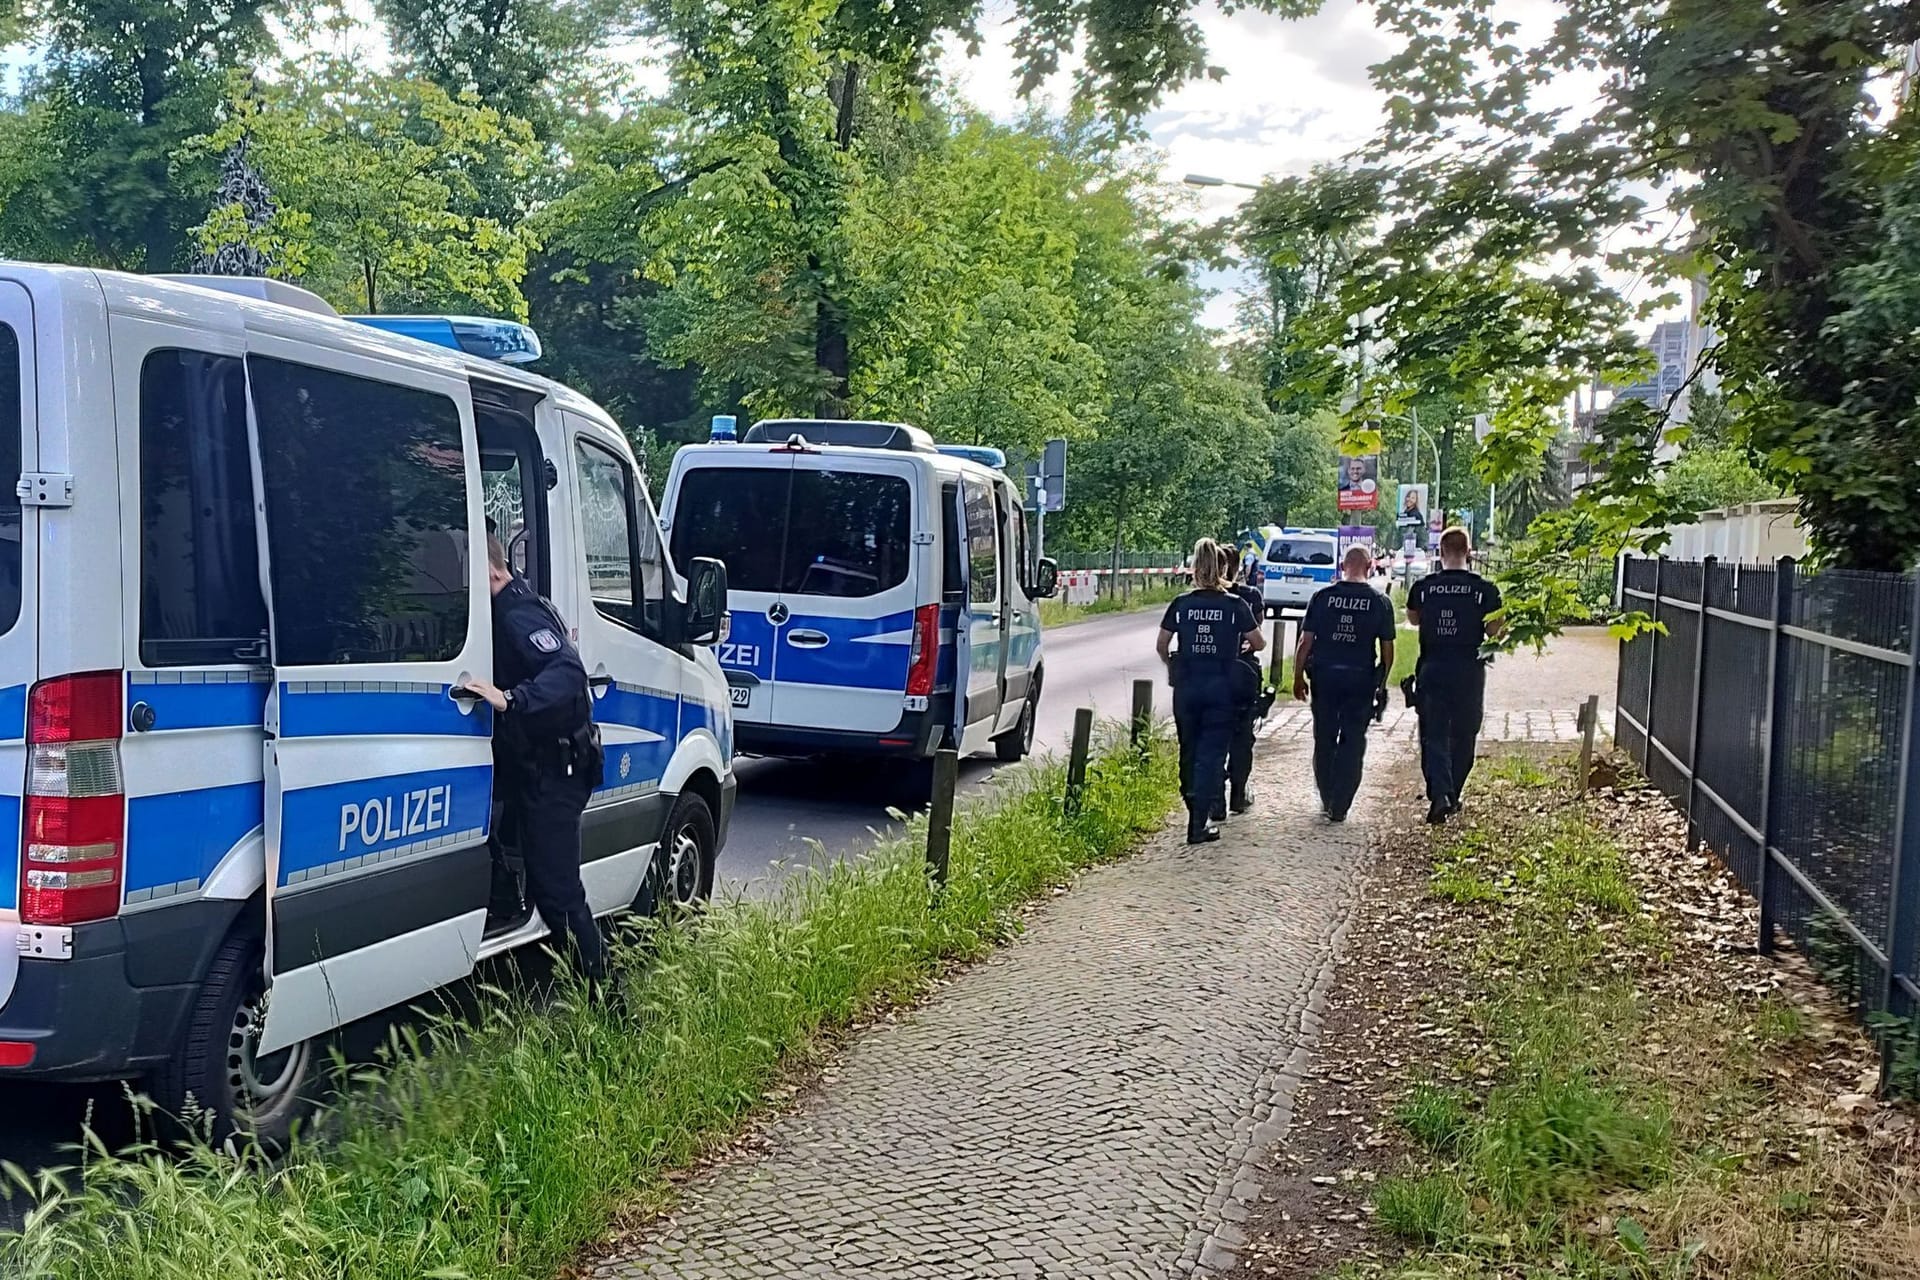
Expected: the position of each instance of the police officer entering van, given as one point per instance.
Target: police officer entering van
(546, 752)
(1337, 661)
(1452, 609)
(1207, 629)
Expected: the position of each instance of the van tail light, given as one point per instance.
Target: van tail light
(73, 829)
(926, 650)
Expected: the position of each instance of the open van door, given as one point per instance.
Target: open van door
(378, 779)
(981, 674)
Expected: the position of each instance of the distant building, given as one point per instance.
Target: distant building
(1675, 345)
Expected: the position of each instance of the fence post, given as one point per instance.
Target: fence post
(1777, 711)
(946, 777)
(1142, 712)
(1653, 664)
(1707, 567)
(1903, 924)
(1589, 722)
(1077, 758)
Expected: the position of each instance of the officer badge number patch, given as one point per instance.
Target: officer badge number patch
(545, 641)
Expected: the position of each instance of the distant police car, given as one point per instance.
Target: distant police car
(241, 581)
(1298, 562)
(884, 593)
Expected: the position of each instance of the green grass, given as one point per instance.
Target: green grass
(1436, 1117)
(1406, 652)
(501, 1150)
(1431, 1210)
(1058, 613)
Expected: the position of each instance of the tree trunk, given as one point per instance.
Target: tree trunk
(831, 342)
(829, 347)
(847, 99)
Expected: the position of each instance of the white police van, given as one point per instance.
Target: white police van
(1298, 563)
(884, 594)
(241, 576)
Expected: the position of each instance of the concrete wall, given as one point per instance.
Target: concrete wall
(1756, 531)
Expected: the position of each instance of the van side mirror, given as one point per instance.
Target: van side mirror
(1046, 579)
(706, 609)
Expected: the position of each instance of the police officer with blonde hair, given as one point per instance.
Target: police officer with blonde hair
(1202, 636)
(1453, 609)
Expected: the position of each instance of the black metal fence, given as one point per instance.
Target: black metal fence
(1777, 710)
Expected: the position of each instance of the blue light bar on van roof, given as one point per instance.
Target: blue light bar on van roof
(975, 453)
(507, 341)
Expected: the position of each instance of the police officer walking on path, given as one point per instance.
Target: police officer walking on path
(1213, 628)
(1246, 708)
(1336, 660)
(547, 750)
(1451, 609)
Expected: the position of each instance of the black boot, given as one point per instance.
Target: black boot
(1438, 812)
(1199, 830)
(1242, 801)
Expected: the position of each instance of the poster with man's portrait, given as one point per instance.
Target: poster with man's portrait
(1359, 483)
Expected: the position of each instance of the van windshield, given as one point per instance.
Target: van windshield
(820, 533)
(1307, 551)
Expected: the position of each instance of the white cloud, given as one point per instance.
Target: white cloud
(1292, 94)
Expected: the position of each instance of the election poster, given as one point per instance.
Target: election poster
(1359, 483)
(1413, 518)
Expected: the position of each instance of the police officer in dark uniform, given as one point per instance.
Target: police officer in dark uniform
(1336, 659)
(1246, 704)
(547, 752)
(1213, 628)
(1451, 608)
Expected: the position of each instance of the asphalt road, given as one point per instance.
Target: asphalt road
(783, 806)
(786, 806)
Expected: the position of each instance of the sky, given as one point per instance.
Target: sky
(1294, 94)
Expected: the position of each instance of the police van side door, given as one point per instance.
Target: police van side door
(1021, 628)
(981, 615)
(378, 779)
(619, 618)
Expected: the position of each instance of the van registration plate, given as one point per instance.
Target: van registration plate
(739, 695)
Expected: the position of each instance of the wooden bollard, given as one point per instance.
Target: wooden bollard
(946, 777)
(1589, 720)
(1077, 758)
(1142, 712)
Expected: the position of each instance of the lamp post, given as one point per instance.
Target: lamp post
(1208, 180)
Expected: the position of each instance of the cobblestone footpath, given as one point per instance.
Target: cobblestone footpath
(1089, 1103)
(1100, 1098)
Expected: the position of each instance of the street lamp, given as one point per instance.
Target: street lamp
(1206, 180)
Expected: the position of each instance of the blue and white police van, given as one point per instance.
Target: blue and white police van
(242, 575)
(885, 598)
(1298, 562)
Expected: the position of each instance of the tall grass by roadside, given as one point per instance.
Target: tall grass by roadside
(503, 1149)
(1058, 613)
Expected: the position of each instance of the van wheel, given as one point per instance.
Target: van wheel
(218, 1082)
(681, 876)
(1014, 745)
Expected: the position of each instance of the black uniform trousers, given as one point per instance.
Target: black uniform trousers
(1342, 702)
(1203, 718)
(550, 805)
(1240, 751)
(1453, 694)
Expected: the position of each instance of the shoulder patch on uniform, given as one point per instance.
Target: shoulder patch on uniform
(545, 641)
